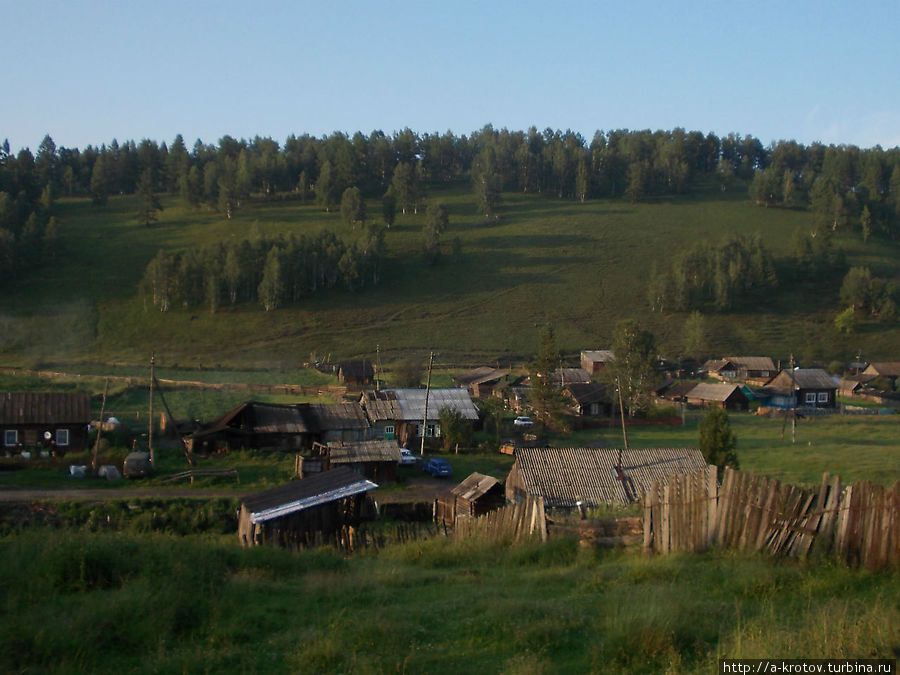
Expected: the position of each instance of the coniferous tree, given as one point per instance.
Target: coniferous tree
(148, 201)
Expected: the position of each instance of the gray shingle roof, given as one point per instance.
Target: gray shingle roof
(364, 451)
(408, 405)
(564, 476)
(712, 392)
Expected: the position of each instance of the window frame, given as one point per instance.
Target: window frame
(6, 437)
(60, 435)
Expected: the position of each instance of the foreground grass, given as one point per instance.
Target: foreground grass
(153, 603)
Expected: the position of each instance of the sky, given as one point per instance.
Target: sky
(89, 72)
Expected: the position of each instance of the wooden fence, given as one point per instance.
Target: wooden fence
(859, 524)
(514, 522)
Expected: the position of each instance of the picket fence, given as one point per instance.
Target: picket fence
(858, 523)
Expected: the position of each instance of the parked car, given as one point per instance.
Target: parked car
(437, 467)
(523, 422)
(407, 458)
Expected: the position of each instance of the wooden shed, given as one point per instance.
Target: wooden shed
(721, 395)
(308, 512)
(565, 477)
(475, 496)
(376, 460)
(53, 422)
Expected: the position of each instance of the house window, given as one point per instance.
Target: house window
(62, 436)
(431, 431)
(810, 398)
(10, 437)
(389, 431)
(823, 397)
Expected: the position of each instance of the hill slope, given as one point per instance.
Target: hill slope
(578, 266)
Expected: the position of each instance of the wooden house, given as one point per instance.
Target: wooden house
(482, 382)
(376, 460)
(722, 395)
(50, 422)
(261, 426)
(886, 371)
(595, 360)
(400, 413)
(475, 496)
(359, 372)
(307, 512)
(569, 477)
(751, 369)
(675, 391)
(800, 388)
(588, 399)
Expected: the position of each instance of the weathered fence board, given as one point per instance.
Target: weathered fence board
(859, 525)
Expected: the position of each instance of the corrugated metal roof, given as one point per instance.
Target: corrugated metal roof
(297, 495)
(45, 408)
(598, 355)
(408, 405)
(364, 451)
(564, 476)
(475, 486)
(713, 392)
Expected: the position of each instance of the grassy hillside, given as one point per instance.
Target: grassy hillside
(152, 603)
(578, 266)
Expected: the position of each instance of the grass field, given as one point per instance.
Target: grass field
(577, 266)
(154, 603)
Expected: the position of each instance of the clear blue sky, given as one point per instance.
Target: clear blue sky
(88, 72)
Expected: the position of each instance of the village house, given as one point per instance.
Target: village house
(594, 361)
(308, 512)
(722, 395)
(800, 388)
(475, 496)
(755, 370)
(358, 372)
(588, 399)
(569, 477)
(48, 422)
(400, 413)
(482, 382)
(886, 371)
(272, 426)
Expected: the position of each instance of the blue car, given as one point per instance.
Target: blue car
(437, 467)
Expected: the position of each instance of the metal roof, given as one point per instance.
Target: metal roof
(565, 476)
(475, 486)
(322, 488)
(408, 405)
(45, 408)
(364, 451)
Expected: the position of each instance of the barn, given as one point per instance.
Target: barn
(567, 477)
(475, 496)
(308, 512)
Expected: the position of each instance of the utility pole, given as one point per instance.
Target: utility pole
(425, 414)
(377, 367)
(150, 428)
(99, 428)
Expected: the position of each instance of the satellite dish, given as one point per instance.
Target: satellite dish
(47, 435)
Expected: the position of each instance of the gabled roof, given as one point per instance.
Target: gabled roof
(884, 368)
(475, 486)
(321, 488)
(254, 417)
(740, 363)
(564, 376)
(586, 393)
(408, 405)
(364, 451)
(45, 408)
(338, 416)
(479, 376)
(564, 476)
(714, 392)
(598, 355)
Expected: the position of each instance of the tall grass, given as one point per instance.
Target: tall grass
(97, 602)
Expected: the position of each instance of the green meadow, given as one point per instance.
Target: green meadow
(578, 266)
